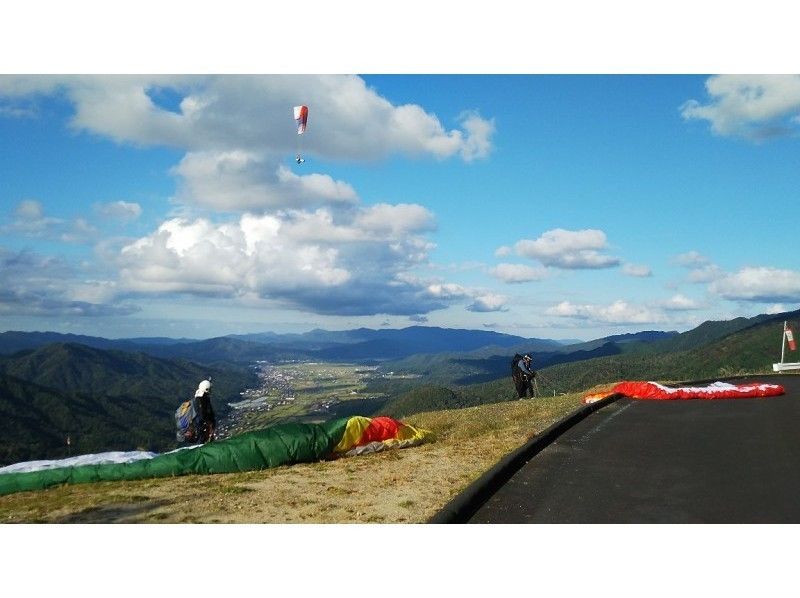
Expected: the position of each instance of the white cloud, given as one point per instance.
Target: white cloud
(618, 312)
(701, 269)
(29, 210)
(752, 106)
(488, 303)
(237, 131)
(480, 300)
(347, 119)
(568, 249)
(691, 259)
(517, 273)
(349, 263)
(759, 284)
(447, 291)
(395, 220)
(704, 274)
(637, 271)
(503, 251)
(79, 231)
(35, 285)
(119, 210)
(30, 220)
(241, 180)
(777, 308)
(477, 143)
(302, 238)
(680, 302)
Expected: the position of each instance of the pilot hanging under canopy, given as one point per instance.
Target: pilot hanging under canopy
(301, 118)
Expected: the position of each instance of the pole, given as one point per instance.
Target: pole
(783, 341)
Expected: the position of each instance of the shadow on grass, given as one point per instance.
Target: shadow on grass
(126, 512)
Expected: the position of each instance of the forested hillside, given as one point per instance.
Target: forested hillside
(102, 400)
(750, 349)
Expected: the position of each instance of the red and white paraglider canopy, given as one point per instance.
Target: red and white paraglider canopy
(716, 390)
(301, 117)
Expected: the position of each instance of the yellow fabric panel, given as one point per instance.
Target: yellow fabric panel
(406, 432)
(352, 433)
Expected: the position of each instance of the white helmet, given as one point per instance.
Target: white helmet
(203, 388)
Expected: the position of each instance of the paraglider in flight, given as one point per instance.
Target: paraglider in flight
(301, 118)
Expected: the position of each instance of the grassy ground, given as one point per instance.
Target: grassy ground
(399, 486)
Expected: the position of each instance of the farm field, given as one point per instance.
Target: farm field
(303, 391)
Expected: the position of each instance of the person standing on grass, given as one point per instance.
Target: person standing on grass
(522, 374)
(206, 422)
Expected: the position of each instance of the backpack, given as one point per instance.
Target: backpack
(184, 422)
(515, 370)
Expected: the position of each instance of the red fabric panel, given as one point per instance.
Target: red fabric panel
(649, 390)
(380, 429)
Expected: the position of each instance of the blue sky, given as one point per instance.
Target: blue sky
(559, 206)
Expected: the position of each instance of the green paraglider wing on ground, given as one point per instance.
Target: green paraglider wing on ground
(281, 444)
(277, 445)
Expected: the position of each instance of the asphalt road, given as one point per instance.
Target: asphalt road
(694, 461)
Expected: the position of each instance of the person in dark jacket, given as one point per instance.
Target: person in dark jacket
(206, 420)
(522, 373)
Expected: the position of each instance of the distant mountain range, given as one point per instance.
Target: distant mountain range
(116, 394)
(490, 363)
(360, 345)
(712, 351)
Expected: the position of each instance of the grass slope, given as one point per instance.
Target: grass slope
(399, 486)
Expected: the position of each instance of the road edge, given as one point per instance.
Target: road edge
(468, 501)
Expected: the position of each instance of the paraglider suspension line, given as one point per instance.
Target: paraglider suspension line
(546, 381)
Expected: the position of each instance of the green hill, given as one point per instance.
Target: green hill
(37, 421)
(104, 400)
(752, 348)
(78, 368)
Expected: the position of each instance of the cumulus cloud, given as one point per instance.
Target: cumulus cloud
(619, 312)
(244, 123)
(488, 302)
(119, 210)
(447, 291)
(705, 274)
(30, 220)
(759, 284)
(750, 106)
(701, 269)
(680, 302)
(289, 235)
(517, 273)
(637, 271)
(31, 284)
(241, 180)
(691, 259)
(477, 141)
(237, 131)
(568, 249)
(308, 260)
